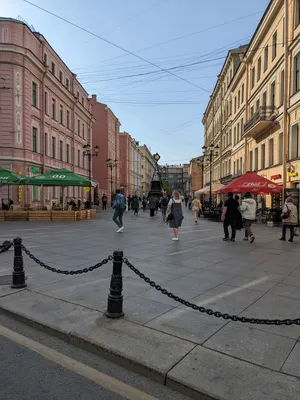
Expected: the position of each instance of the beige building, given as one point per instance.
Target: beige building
(259, 103)
(148, 166)
(196, 168)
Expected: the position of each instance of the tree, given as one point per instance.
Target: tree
(167, 187)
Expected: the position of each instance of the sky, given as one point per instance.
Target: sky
(160, 91)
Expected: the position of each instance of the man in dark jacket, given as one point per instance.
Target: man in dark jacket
(230, 216)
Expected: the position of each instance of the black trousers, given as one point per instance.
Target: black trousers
(232, 223)
(104, 206)
(284, 228)
(152, 211)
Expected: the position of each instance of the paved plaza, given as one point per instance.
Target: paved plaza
(185, 349)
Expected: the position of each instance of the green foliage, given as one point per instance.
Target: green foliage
(167, 187)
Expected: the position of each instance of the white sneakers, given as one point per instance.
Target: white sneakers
(120, 230)
(175, 239)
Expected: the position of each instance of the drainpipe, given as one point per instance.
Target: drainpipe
(247, 115)
(42, 133)
(285, 101)
(73, 122)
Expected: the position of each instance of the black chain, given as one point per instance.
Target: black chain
(60, 271)
(5, 246)
(208, 311)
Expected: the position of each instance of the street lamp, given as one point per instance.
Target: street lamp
(209, 153)
(88, 153)
(111, 164)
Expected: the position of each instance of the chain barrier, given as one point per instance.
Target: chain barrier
(208, 311)
(60, 271)
(5, 246)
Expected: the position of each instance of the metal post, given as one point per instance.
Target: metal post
(90, 177)
(115, 297)
(18, 276)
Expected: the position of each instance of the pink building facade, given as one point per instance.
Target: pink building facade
(125, 162)
(45, 114)
(106, 130)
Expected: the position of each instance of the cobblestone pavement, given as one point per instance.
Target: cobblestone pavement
(261, 280)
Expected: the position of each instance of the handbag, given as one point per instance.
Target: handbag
(286, 214)
(170, 215)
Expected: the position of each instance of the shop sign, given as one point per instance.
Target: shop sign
(292, 174)
(275, 177)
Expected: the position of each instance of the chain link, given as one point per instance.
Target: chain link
(5, 246)
(208, 311)
(60, 271)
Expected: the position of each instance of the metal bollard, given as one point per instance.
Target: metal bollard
(115, 297)
(18, 276)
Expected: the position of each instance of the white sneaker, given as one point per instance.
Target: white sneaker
(120, 230)
(175, 239)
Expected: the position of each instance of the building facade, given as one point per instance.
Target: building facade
(148, 166)
(176, 176)
(45, 114)
(125, 162)
(106, 129)
(264, 91)
(135, 168)
(195, 172)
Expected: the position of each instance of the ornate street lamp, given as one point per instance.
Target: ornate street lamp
(210, 152)
(89, 154)
(111, 164)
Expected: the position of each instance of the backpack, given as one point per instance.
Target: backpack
(120, 202)
(164, 201)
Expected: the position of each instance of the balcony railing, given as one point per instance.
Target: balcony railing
(262, 119)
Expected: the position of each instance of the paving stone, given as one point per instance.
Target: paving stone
(250, 344)
(292, 364)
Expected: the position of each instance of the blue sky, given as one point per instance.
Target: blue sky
(155, 107)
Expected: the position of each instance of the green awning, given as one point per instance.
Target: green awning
(58, 177)
(8, 177)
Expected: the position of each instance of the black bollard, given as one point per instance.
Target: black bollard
(115, 297)
(18, 276)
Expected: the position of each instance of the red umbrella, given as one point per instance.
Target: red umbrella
(251, 182)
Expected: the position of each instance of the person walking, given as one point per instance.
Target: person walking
(196, 206)
(104, 201)
(186, 199)
(175, 213)
(152, 206)
(229, 217)
(164, 201)
(248, 210)
(135, 204)
(289, 218)
(144, 203)
(119, 206)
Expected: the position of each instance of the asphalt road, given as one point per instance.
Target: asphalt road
(35, 366)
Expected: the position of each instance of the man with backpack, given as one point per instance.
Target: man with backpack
(164, 201)
(119, 206)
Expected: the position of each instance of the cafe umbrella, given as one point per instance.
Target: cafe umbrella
(8, 177)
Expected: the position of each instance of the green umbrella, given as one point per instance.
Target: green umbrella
(8, 177)
(58, 177)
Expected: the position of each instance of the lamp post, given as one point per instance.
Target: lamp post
(88, 153)
(111, 164)
(209, 153)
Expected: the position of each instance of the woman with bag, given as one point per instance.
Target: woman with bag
(196, 207)
(289, 218)
(175, 213)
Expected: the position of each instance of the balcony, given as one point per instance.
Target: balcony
(261, 120)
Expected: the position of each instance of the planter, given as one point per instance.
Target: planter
(93, 213)
(63, 216)
(39, 216)
(2, 216)
(16, 215)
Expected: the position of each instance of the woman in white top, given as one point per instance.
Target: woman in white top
(175, 210)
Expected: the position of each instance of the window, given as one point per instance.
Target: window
(234, 135)
(78, 158)
(294, 142)
(251, 111)
(238, 167)
(271, 152)
(68, 153)
(60, 76)
(53, 147)
(283, 31)
(35, 193)
(83, 157)
(258, 69)
(46, 143)
(234, 170)
(281, 87)
(68, 119)
(243, 93)
(242, 127)
(78, 95)
(82, 101)
(238, 132)
(251, 160)
(273, 94)
(34, 95)
(83, 134)
(61, 150)
(257, 104)
(34, 139)
(297, 72)
(67, 83)
(264, 99)
(53, 68)
(252, 77)
(256, 159)
(266, 59)
(78, 127)
(45, 59)
(235, 104)
(274, 45)
(46, 103)
(61, 115)
(53, 108)
(280, 148)
(241, 165)
(297, 13)
(263, 156)
(239, 99)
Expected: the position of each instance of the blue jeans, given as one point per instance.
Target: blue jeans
(118, 218)
(163, 213)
